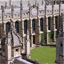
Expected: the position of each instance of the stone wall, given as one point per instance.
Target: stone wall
(1, 31)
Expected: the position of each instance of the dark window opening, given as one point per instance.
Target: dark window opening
(41, 24)
(7, 27)
(17, 26)
(33, 39)
(61, 44)
(56, 22)
(49, 23)
(33, 25)
(25, 27)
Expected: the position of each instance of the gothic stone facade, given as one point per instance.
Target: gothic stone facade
(40, 21)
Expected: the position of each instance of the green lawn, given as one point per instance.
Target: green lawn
(44, 54)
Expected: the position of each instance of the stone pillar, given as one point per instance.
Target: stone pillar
(3, 18)
(27, 46)
(30, 26)
(54, 29)
(3, 13)
(38, 35)
(22, 32)
(4, 28)
(21, 24)
(46, 30)
(31, 36)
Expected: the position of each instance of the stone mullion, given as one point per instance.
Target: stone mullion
(53, 23)
(38, 25)
(23, 39)
(46, 24)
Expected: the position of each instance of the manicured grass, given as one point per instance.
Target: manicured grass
(44, 54)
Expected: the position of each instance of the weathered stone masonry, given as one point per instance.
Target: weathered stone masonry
(41, 23)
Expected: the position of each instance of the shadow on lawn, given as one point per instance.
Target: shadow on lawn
(52, 46)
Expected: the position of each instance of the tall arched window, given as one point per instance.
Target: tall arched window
(33, 25)
(7, 27)
(49, 23)
(17, 26)
(25, 27)
(41, 24)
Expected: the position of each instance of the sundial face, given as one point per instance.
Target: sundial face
(34, 12)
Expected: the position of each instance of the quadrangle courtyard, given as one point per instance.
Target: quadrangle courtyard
(44, 54)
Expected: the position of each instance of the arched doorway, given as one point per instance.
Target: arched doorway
(17, 26)
(7, 27)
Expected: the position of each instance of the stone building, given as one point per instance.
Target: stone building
(11, 48)
(40, 20)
